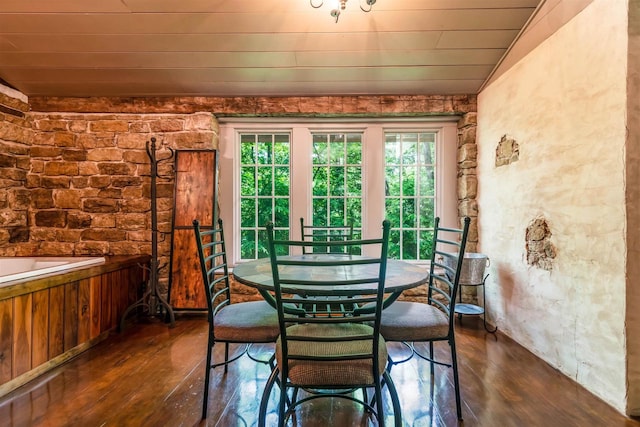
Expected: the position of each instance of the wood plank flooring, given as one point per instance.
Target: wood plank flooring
(151, 375)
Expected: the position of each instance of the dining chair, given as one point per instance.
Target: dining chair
(238, 323)
(410, 322)
(326, 233)
(329, 352)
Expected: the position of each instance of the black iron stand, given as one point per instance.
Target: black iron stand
(473, 309)
(152, 301)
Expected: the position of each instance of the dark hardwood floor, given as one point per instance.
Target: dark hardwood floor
(151, 375)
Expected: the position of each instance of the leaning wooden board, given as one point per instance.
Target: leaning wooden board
(195, 198)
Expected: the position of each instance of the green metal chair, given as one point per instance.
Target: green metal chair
(240, 323)
(410, 322)
(328, 351)
(327, 233)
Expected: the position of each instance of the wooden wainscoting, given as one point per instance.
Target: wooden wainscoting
(48, 320)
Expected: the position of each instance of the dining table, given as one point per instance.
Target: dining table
(400, 275)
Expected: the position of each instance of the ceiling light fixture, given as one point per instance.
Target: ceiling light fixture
(340, 5)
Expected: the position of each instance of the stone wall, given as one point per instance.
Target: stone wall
(85, 172)
(15, 138)
(468, 189)
(86, 182)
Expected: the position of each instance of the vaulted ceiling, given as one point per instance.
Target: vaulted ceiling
(255, 47)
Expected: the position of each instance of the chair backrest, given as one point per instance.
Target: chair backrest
(446, 263)
(328, 233)
(330, 287)
(213, 265)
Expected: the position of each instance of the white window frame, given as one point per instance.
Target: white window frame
(372, 168)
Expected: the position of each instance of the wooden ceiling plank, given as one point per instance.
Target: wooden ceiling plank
(221, 23)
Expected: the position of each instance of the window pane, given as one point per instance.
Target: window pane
(281, 152)
(265, 181)
(427, 214)
(394, 244)
(320, 150)
(282, 213)
(426, 244)
(248, 181)
(409, 219)
(409, 245)
(392, 210)
(264, 151)
(354, 152)
(336, 180)
(281, 181)
(320, 181)
(354, 181)
(336, 212)
(247, 150)
(248, 213)
(265, 211)
(427, 181)
(409, 181)
(248, 244)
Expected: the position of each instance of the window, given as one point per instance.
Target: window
(264, 190)
(336, 173)
(410, 193)
(336, 180)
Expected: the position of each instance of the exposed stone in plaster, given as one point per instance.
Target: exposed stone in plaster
(540, 250)
(507, 151)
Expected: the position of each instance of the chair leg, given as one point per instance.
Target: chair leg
(395, 401)
(456, 381)
(264, 401)
(379, 407)
(226, 357)
(207, 377)
(432, 362)
(282, 405)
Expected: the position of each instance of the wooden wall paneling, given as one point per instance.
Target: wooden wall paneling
(6, 339)
(56, 321)
(95, 313)
(115, 282)
(70, 315)
(105, 303)
(141, 276)
(84, 312)
(22, 334)
(40, 315)
(195, 198)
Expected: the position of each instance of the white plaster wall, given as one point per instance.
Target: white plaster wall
(564, 104)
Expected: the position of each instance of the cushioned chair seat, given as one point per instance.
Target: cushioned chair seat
(254, 321)
(328, 373)
(413, 321)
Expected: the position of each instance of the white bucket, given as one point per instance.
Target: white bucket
(473, 266)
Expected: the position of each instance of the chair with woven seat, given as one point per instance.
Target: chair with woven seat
(239, 323)
(329, 352)
(326, 233)
(411, 322)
